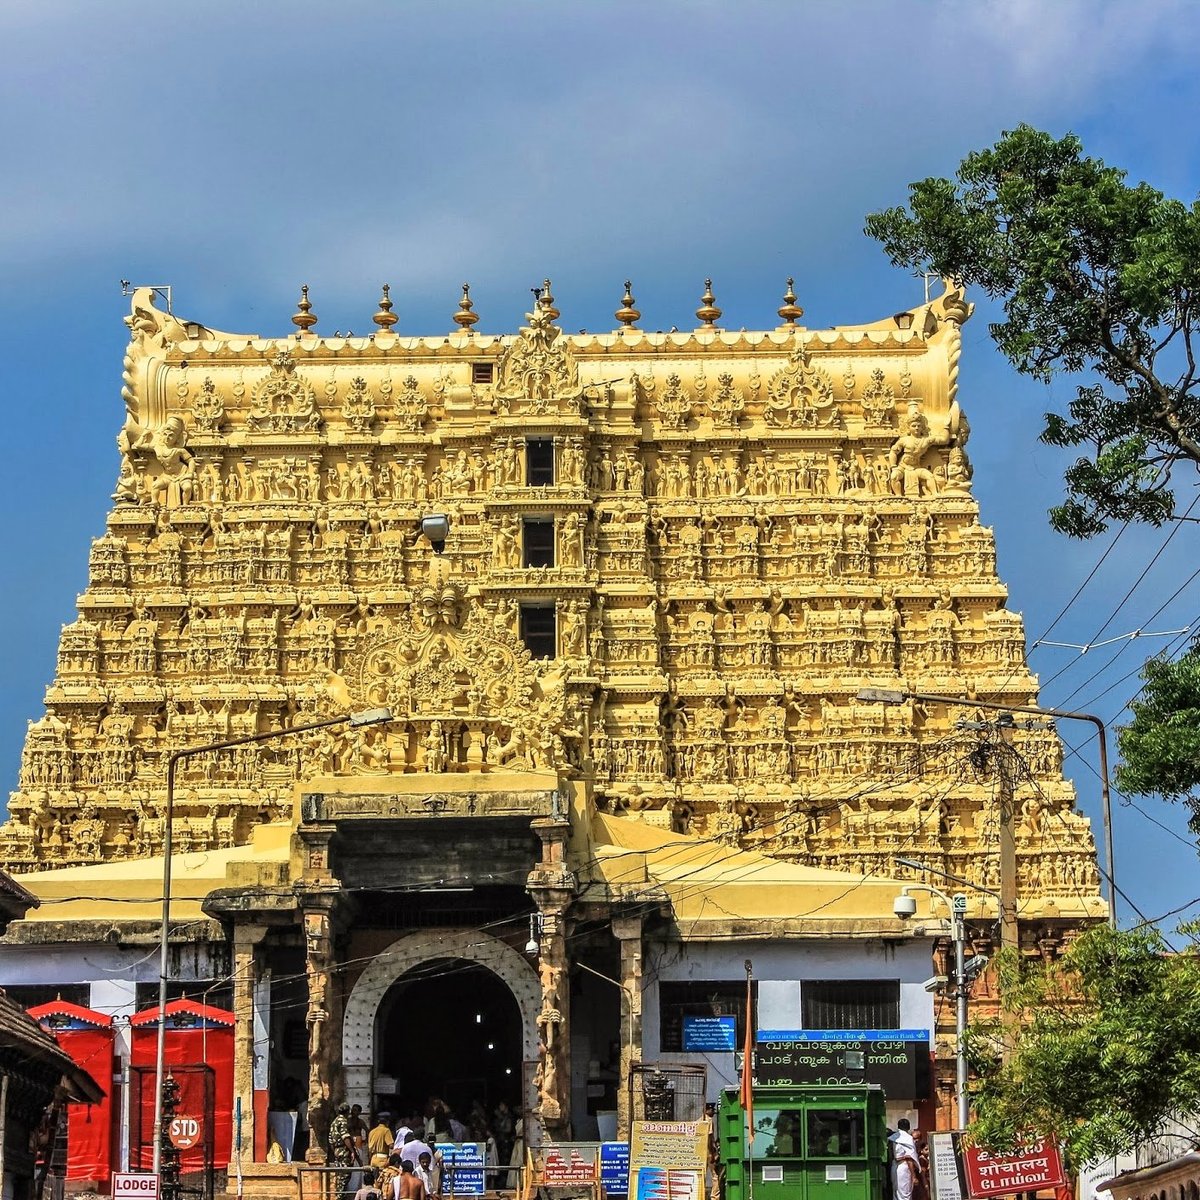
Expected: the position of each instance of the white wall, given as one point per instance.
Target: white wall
(780, 969)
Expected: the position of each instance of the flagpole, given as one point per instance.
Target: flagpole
(748, 1079)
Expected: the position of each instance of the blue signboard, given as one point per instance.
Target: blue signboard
(710, 1033)
(614, 1168)
(462, 1165)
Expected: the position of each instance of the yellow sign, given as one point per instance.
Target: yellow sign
(668, 1159)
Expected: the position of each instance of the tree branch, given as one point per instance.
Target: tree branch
(1169, 411)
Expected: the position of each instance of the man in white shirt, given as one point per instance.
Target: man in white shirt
(905, 1164)
(413, 1148)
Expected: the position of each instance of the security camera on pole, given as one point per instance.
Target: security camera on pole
(905, 907)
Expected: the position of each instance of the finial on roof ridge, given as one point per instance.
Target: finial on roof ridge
(790, 312)
(304, 318)
(465, 317)
(708, 313)
(627, 314)
(546, 300)
(385, 318)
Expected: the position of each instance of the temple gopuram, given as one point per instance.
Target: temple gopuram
(627, 748)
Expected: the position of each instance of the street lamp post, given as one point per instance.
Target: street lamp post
(905, 907)
(373, 716)
(897, 696)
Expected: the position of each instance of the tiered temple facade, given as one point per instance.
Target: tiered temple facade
(672, 563)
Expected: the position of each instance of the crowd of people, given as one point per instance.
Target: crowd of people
(400, 1157)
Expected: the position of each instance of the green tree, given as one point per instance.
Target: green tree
(1108, 1046)
(1160, 747)
(1098, 278)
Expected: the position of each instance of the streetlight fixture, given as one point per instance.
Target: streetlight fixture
(897, 696)
(370, 716)
(905, 907)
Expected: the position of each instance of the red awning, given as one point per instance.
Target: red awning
(176, 1009)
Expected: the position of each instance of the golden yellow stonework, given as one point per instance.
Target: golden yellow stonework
(737, 532)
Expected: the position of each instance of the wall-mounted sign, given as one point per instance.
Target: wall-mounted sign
(710, 1034)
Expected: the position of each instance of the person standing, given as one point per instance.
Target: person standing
(429, 1171)
(379, 1141)
(906, 1169)
(408, 1184)
(341, 1149)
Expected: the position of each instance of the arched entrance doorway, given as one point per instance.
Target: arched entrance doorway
(448, 1028)
(366, 1030)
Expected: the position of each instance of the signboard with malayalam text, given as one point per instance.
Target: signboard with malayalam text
(667, 1159)
(566, 1164)
(896, 1059)
(462, 1168)
(1036, 1166)
(710, 1034)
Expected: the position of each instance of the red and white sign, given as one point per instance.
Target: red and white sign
(127, 1186)
(1037, 1166)
(569, 1163)
(185, 1132)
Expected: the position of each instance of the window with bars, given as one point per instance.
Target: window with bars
(696, 998)
(482, 372)
(538, 542)
(30, 995)
(850, 1004)
(539, 630)
(539, 462)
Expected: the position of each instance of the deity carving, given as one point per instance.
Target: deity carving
(208, 409)
(800, 394)
(537, 369)
(283, 401)
(358, 407)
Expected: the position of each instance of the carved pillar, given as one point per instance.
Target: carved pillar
(323, 1018)
(628, 932)
(249, 1076)
(552, 886)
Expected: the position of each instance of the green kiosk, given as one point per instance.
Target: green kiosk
(810, 1143)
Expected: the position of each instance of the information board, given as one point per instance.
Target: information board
(896, 1059)
(614, 1168)
(462, 1168)
(946, 1168)
(565, 1164)
(667, 1159)
(710, 1034)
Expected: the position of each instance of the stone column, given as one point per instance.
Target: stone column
(323, 1018)
(628, 932)
(246, 940)
(552, 886)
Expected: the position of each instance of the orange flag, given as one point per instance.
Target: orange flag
(747, 1096)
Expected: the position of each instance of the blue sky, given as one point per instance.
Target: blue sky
(237, 151)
